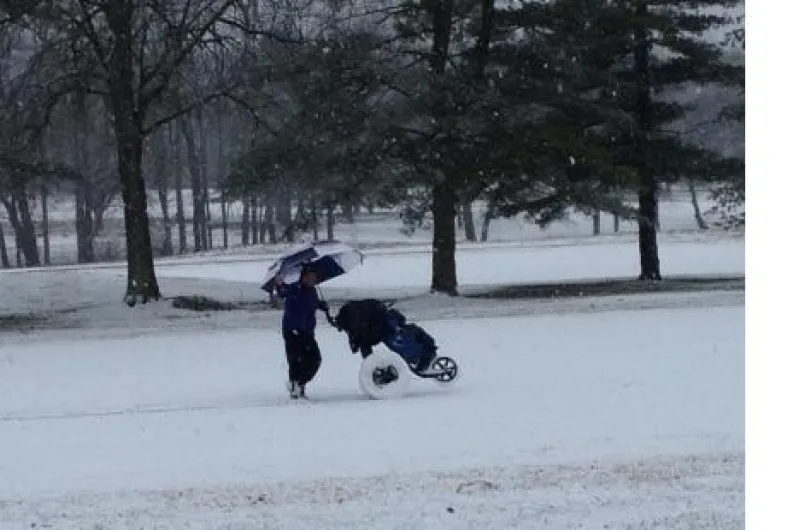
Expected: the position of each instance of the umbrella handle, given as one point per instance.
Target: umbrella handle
(327, 314)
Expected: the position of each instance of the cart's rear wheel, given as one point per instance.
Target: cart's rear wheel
(384, 375)
(448, 371)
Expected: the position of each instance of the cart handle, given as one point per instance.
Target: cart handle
(331, 320)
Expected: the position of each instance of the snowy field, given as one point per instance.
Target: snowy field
(592, 412)
(90, 296)
(410, 272)
(597, 420)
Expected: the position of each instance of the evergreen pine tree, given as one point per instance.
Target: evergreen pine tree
(668, 52)
(442, 138)
(601, 78)
(556, 71)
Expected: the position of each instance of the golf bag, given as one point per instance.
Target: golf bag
(371, 322)
(364, 322)
(409, 341)
(387, 374)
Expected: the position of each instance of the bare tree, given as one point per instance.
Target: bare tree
(131, 53)
(157, 157)
(4, 261)
(80, 136)
(192, 134)
(20, 135)
(697, 211)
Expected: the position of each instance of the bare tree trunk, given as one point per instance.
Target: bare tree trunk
(205, 181)
(225, 218)
(489, 214)
(207, 217)
(285, 217)
(469, 221)
(263, 221)
(84, 227)
(45, 227)
(330, 222)
(97, 217)
(244, 221)
(255, 224)
(348, 209)
(19, 215)
(160, 157)
(196, 184)
(180, 218)
(4, 261)
(314, 214)
(178, 175)
(597, 223)
(697, 212)
(30, 249)
(18, 248)
(141, 284)
(485, 228)
(657, 217)
(271, 220)
(167, 232)
(221, 169)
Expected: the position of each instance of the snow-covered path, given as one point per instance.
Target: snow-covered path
(207, 410)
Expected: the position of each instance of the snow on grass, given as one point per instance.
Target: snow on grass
(206, 414)
(411, 272)
(91, 297)
(703, 492)
(147, 412)
(585, 413)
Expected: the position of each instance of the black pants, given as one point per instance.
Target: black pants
(304, 356)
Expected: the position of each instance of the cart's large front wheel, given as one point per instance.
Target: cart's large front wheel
(384, 375)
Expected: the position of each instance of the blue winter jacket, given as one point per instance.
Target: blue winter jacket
(300, 307)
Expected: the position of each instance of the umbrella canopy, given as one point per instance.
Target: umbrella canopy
(329, 259)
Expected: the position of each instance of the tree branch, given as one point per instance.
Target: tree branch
(91, 33)
(169, 63)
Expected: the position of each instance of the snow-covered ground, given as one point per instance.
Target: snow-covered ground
(610, 418)
(608, 412)
(386, 272)
(484, 266)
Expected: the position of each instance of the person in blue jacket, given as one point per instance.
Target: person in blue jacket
(298, 329)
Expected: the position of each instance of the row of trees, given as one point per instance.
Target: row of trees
(535, 107)
(211, 220)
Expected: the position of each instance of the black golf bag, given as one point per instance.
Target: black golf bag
(371, 322)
